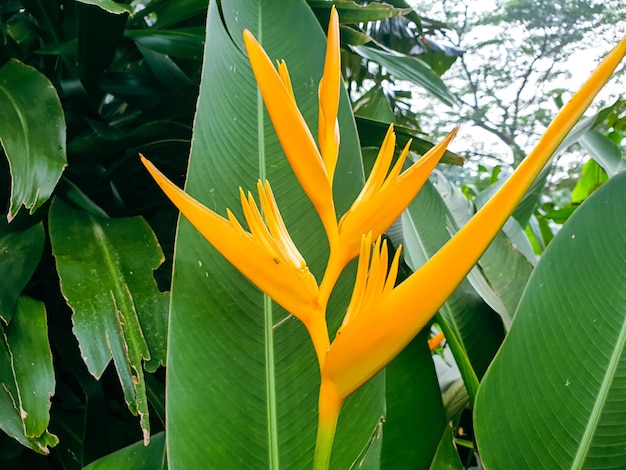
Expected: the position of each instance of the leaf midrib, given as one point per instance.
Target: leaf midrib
(596, 412)
(270, 372)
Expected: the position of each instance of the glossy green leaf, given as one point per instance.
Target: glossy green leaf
(110, 6)
(374, 105)
(352, 12)
(27, 377)
(553, 397)
(32, 135)
(604, 151)
(172, 12)
(105, 267)
(234, 354)
(415, 416)
(411, 69)
(136, 456)
(20, 253)
(593, 176)
(186, 43)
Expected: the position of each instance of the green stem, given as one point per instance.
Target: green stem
(329, 408)
(460, 356)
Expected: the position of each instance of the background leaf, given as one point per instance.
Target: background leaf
(118, 311)
(232, 352)
(27, 377)
(409, 68)
(553, 397)
(32, 135)
(109, 5)
(20, 253)
(136, 456)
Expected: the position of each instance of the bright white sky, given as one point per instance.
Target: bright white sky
(580, 65)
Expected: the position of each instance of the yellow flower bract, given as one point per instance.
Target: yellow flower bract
(381, 318)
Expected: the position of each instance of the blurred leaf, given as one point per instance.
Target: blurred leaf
(32, 135)
(186, 43)
(593, 176)
(164, 69)
(110, 6)
(99, 33)
(27, 377)
(351, 12)
(353, 36)
(31, 360)
(234, 354)
(172, 12)
(409, 68)
(562, 362)
(604, 151)
(372, 133)
(136, 456)
(374, 105)
(105, 267)
(415, 415)
(20, 253)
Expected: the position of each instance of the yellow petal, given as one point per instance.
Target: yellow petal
(383, 201)
(329, 88)
(275, 270)
(369, 342)
(293, 132)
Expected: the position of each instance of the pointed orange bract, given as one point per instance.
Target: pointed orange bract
(329, 87)
(382, 329)
(293, 132)
(383, 198)
(266, 255)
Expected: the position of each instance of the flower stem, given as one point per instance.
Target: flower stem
(334, 267)
(318, 331)
(329, 408)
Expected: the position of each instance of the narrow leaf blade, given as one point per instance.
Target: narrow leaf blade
(32, 135)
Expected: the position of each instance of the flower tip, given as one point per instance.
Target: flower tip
(249, 40)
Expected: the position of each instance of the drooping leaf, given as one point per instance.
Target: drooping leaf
(109, 5)
(99, 33)
(20, 253)
(233, 353)
(351, 12)
(604, 151)
(409, 68)
(557, 385)
(27, 377)
(105, 267)
(374, 105)
(186, 43)
(32, 135)
(136, 456)
(593, 176)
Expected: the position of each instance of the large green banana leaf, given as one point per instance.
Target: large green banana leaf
(242, 375)
(554, 395)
